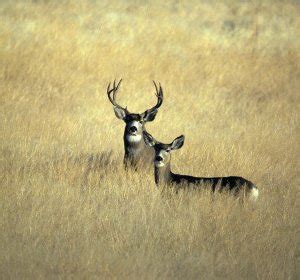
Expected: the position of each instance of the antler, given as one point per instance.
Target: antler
(160, 96)
(112, 92)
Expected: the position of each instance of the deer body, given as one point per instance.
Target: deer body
(164, 176)
(137, 153)
(233, 184)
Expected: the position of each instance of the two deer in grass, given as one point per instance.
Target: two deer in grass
(141, 149)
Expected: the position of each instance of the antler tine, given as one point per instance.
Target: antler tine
(108, 88)
(155, 87)
(119, 83)
(160, 89)
(109, 91)
(159, 95)
(114, 90)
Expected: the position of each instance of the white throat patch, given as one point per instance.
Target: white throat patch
(159, 163)
(134, 138)
(254, 194)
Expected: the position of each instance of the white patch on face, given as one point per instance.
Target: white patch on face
(135, 123)
(254, 194)
(133, 138)
(161, 163)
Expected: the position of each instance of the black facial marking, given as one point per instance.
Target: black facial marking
(160, 146)
(133, 117)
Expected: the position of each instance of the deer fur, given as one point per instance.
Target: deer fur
(164, 176)
(136, 152)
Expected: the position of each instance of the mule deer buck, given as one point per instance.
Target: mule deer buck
(137, 153)
(164, 175)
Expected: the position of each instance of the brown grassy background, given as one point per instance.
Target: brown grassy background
(230, 73)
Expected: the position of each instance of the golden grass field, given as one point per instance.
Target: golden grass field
(230, 74)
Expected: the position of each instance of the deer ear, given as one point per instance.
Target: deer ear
(120, 113)
(149, 115)
(177, 143)
(148, 138)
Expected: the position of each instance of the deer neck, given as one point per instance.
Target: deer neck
(136, 149)
(134, 143)
(163, 175)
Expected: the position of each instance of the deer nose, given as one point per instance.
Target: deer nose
(158, 158)
(133, 129)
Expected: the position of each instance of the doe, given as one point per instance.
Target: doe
(136, 152)
(164, 175)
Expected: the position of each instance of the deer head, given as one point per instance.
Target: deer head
(134, 122)
(163, 151)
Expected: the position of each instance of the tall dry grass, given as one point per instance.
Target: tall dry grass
(230, 73)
